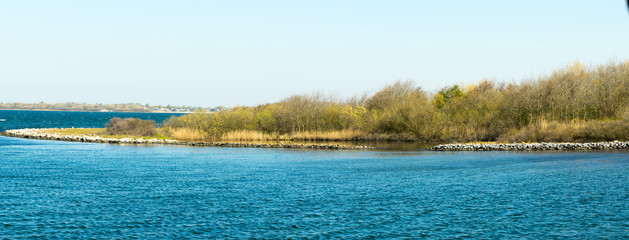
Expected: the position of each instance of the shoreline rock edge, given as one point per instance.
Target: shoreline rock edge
(544, 146)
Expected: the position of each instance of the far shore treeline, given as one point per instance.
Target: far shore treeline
(99, 107)
(575, 103)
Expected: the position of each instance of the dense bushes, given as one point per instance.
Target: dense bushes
(131, 126)
(532, 110)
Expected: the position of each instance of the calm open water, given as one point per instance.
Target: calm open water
(64, 190)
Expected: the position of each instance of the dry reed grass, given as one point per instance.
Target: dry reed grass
(249, 135)
(573, 131)
(185, 134)
(339, 135)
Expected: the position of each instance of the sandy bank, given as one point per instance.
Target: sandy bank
(48, 134)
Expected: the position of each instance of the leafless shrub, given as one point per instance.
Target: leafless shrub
(131, 126)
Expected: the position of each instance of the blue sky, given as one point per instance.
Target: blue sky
(209, 53)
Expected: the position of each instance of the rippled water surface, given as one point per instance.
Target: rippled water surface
(65, 190)
(14, 119)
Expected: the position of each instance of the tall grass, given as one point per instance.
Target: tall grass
(185, 134)
(339, 135)
(250, 135)
(576, 131)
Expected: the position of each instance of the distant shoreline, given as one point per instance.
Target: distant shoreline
(116, 111)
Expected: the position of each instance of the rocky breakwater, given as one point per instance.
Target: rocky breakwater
(49, 134)
(530, 146)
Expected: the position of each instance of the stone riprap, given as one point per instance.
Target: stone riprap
(46, 134)
(545, 146)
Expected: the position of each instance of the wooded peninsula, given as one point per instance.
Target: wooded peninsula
(576, 104)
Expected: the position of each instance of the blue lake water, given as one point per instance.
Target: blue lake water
(52, 189)
(12, 119)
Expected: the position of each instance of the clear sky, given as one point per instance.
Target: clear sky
(209, 53)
